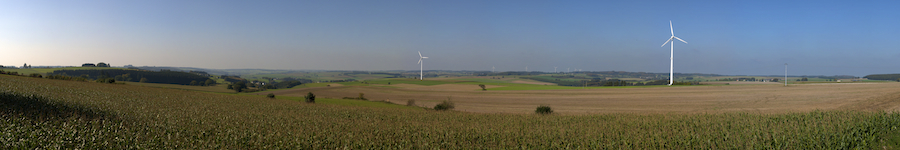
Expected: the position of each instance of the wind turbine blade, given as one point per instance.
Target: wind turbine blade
(680, 39)
(670, 28)
(424, 57)
(667, 41)
(420, 53)
(420, 61)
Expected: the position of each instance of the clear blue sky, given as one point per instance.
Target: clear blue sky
(725, 37)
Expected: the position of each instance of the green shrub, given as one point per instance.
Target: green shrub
(446, 105)
(105, 80)
(310, 97)
(36, 75)
(270, 95)
(362, 97)
(543, 110)
(411, 102)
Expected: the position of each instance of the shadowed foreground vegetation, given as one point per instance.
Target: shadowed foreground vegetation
(43, 113)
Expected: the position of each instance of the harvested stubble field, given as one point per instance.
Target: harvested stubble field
(768, 98)
(43, 113)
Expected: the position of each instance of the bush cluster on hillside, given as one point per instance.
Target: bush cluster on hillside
(446, 105)
(360, 97)
(208, 82)
(239, 86)
(105, 80)
(543, 110)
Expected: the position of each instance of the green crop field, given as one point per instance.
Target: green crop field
(56, 114)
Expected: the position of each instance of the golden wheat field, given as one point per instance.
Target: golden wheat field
(52, 114)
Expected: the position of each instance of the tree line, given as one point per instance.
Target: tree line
(884, 77)
(167, 77)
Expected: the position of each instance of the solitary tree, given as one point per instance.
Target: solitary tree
(482, 87)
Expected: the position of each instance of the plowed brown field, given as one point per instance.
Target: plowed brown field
(772, 98)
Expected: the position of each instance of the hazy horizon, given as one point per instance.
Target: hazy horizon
(725, 37)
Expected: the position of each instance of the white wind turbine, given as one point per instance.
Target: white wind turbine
(672, 52)
(492, 68)
(554, 69)
(420, 65)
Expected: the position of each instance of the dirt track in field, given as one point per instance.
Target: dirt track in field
(772, 98)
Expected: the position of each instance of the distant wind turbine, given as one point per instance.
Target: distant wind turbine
(672, 52)
(492, 68)
(420, 66)
(554, 69)
(526, 68)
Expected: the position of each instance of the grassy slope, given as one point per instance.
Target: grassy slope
(93, 115)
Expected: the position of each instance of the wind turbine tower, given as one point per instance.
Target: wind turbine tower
(672, 52)
(492, 68)
(785, 74)
(420, 66)
(554, 69)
